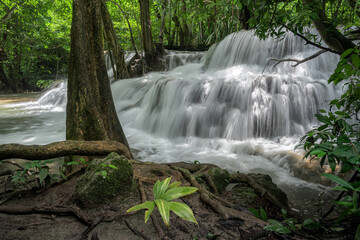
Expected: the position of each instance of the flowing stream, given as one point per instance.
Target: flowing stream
(230, 107)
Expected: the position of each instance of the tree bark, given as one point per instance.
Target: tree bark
(63, 148)
(90, 112)
(116, 51)
(328, 32)
(152, 58)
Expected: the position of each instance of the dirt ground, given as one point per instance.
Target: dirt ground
(54, 214)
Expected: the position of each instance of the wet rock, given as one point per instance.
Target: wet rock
(220, 177)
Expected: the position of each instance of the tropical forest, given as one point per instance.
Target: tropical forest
(179, 119)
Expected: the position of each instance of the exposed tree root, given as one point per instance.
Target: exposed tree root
(136, 232)
(218, 205)
(72, 210)
(204, 196)
(63, 148)
(240, 177)
(97, 221)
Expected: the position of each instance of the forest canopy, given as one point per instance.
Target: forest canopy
(35, 35)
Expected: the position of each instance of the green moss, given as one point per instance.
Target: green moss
(93, 189)
(244, 194)
(220, 178)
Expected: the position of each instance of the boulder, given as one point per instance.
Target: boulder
(104, 179)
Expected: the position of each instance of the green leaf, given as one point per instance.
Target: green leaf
(339, 188)
(284, 213)
(62, 174)
(276, 226)
(343, 151)
(161, 188)
(156, 189)
(164, 210)
(174, 185)
(318, 152)
(311, 224)
(338, 180)
(104, 174)
(263, 214)
(150, 205)
(323, 119)
(355, 59)
(357, 234)
(183, 211)
(255, 212)
(43, 174)
(72, 163)
(346, 53)
(112, 166)
(177, 192)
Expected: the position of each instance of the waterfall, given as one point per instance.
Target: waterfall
(229, 96)
(232, 108)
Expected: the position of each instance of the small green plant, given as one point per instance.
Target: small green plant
(164, 192)
(260, 214)
(40, 169)
(104, 172)
(350, 201)
(287, 226)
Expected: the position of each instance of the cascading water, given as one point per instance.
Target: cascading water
(233, 109)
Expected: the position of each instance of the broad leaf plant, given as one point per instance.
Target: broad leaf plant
(164, 193)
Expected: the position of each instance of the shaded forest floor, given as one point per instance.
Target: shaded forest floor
(220, 209)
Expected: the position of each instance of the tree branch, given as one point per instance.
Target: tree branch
(298, 61)
(310, 42)
(63, 148)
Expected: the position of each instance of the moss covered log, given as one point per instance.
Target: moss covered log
(63, 148)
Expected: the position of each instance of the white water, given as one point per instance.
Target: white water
(223, 111)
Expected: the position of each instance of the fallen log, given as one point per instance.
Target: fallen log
(63, 148)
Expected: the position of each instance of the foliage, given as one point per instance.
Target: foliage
(35, 40)
(351, 201)
(39, 168)
(164, 192)
(337, 138)
(287, 226)
(272, 18)
(44, 84)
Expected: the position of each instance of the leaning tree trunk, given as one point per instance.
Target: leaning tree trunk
(90, 112)
(328, 32)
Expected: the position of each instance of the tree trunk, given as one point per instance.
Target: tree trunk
(152, 57)
(90, 112)
(328, 32)
(61, 149)
(116, 52)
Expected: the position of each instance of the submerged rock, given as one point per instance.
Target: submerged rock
(103, 180)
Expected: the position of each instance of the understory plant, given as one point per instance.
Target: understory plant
(287, 225)
(336, 142)
(164, 193)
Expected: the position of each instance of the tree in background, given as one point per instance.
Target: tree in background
(34, 42)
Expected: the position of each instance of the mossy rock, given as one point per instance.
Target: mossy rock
(93, 188)
(220, 177)
(244, 194)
